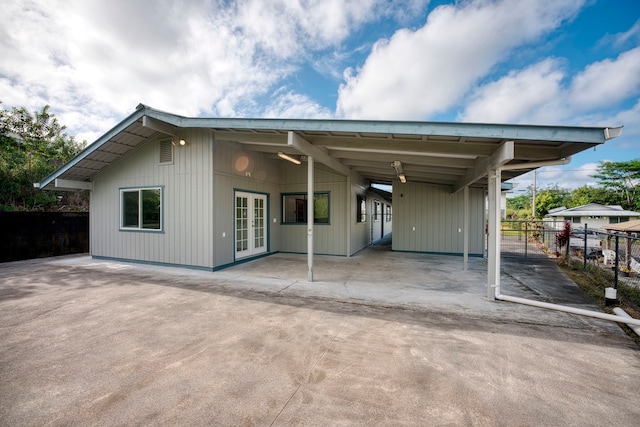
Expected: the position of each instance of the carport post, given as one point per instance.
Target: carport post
(310, 219)
(465, 249)
(493, 268)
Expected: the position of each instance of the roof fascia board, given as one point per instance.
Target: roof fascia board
(133, 117)
(500, 157)
(309, 149)
(471, 130)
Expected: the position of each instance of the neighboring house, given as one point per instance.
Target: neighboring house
(212, 192)
(595, 215)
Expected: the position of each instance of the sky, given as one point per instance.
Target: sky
(560, 62)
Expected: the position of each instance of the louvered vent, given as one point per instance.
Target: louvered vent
(166, 151)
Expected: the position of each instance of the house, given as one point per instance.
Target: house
(208, 193)
(594, 215)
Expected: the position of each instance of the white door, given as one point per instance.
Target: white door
(251, 224)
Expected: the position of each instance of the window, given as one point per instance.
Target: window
(377, 210)
(141, 209)
(574, 219)
(294, 208)
(618, 219)
(361, 209)
(387, 217)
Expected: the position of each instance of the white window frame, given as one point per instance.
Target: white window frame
(160, 228)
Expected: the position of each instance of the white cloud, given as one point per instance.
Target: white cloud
(568, 177)
(514, 96)
(287, 104)
(631, 120)
(620, 40)
(541, 94)
(607, 82)
(93, 61)
(418, 73)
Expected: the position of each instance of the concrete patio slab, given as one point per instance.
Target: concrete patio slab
(382, 338)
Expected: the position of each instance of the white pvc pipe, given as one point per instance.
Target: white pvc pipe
(621, 312)
(572, 310)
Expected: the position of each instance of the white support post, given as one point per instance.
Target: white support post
(493, 270)
(310, 219)
(465, 229)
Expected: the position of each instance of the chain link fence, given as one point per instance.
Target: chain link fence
(616, 252)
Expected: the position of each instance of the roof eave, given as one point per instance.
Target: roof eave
(136, 115)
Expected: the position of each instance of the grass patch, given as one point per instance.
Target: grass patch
(594, 280)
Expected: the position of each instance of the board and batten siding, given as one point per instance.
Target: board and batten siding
(429, 218)
(360, 234)
(237, 169)
(328, 239)
(187, 208)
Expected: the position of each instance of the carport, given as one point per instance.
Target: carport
(458, 156)
(456, 159)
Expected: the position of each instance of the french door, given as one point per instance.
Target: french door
(251, 224)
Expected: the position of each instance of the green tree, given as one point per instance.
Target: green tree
(622, 178)
(585, 195)
(549, 198)
(519, 207)
(32, 145)
(522, 201)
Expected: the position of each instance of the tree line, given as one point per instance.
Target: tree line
(618, 183)
(33, 145)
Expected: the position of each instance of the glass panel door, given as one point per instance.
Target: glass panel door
(251, 224)
(242, 225)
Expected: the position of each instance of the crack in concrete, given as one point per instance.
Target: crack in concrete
(306, 378)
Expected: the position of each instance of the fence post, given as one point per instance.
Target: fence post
(584, 254)
(526, 238)
(615, 275)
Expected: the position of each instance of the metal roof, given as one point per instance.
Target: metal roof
(628, 226)
(452, 154)
(594, 209)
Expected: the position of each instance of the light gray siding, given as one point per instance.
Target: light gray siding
(330, 239)
(186, 238)
(248, 171)
(428, 218)
(360, 231)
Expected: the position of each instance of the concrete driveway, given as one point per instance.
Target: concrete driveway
(380, 339)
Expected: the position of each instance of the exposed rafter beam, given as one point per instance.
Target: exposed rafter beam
(501, 156)
(364, 164)
(407, 146)
(318, 154)
(69, 185)
(159, 126)
(253, 138)
(404, 158)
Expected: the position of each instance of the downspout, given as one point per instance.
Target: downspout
(572, 310)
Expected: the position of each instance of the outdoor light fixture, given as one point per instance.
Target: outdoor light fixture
(397, 166)
(182, 142)
(287, 157)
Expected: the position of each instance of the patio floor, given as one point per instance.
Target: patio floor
(381, 338)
